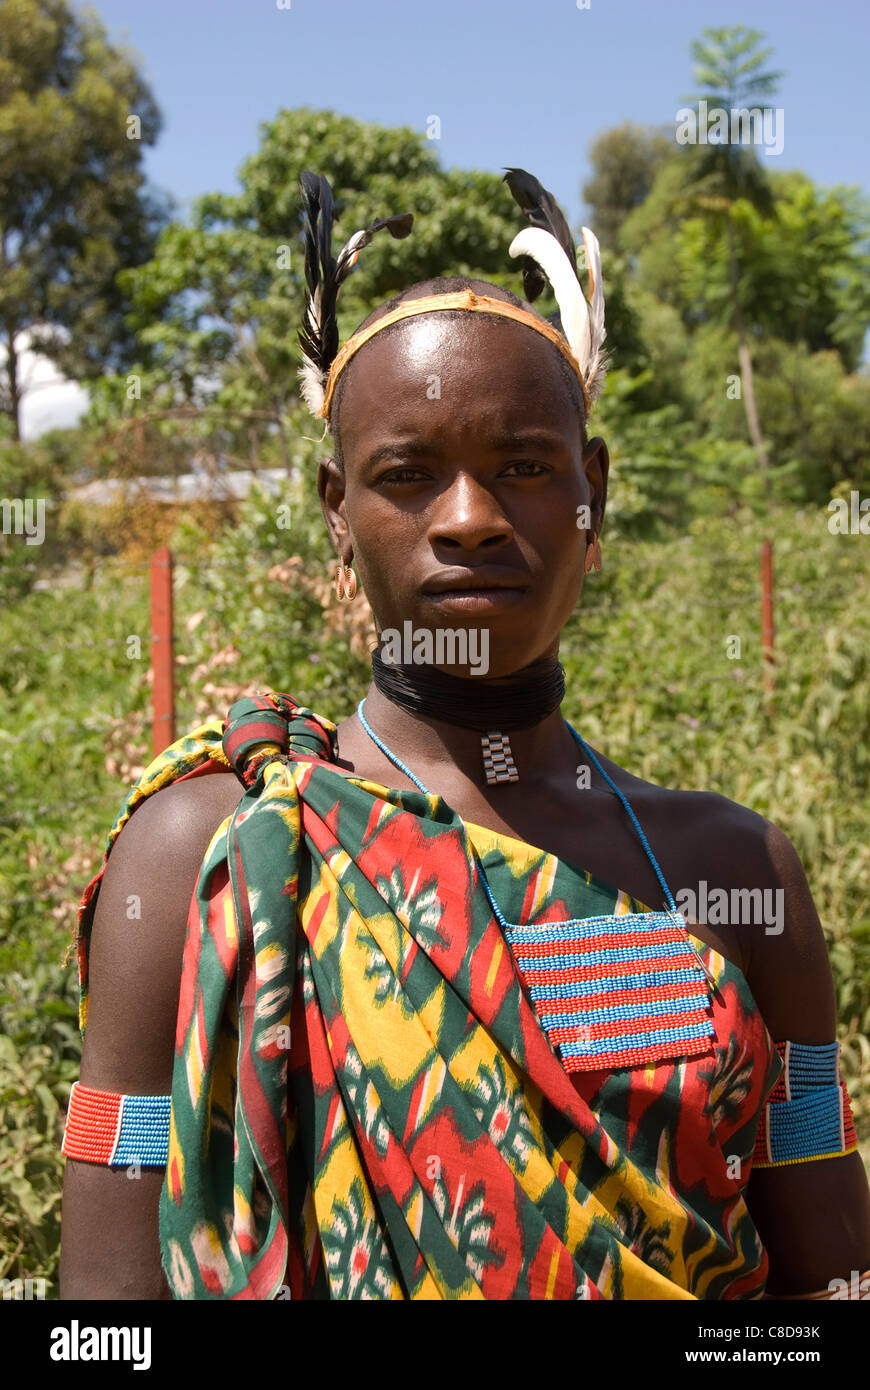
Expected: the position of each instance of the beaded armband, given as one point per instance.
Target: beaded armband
(105, 1127)
(807, 1114)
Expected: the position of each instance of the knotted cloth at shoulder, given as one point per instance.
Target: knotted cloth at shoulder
(259, 726)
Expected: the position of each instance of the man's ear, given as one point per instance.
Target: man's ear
(330, 490)
(596, 466)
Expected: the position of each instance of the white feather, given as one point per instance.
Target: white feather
(595, 293)
(352, 247)
(312, 379)
(312, 382)
(312, 385)
(582, 314)
(543, 247)
(597, 369)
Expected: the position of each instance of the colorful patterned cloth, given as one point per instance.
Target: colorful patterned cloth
(365, 1103)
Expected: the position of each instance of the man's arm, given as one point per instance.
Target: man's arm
(813, 1217)
(110, 1245)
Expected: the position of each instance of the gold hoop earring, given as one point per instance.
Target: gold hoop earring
(345, 582)
(593, 555)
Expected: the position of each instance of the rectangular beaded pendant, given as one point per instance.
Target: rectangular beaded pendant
(616, 991)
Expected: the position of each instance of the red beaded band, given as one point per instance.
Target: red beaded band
(116, 1130)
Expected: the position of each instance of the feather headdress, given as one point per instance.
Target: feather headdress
(547, 250)
(324, 277)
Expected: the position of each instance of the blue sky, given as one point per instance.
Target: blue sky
(514, 82)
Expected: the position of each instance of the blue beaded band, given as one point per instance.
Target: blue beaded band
(807, 1114)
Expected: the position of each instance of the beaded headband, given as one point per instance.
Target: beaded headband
(435, 303)
(546, 253)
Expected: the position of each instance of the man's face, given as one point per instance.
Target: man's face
(464, 471)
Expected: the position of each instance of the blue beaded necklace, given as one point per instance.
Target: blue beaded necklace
(614, 990)
(497, 913)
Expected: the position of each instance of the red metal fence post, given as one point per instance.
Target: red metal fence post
(162, 651)
(767, 629)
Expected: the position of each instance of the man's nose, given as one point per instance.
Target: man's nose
(466, 514)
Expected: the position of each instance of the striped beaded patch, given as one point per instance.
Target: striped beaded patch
(616, 991)
(808, 1114)
(116, 1130)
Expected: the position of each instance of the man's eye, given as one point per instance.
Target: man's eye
(528, 463)
(525, 468)
(401, 475)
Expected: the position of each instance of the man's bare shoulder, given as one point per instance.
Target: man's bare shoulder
(710, 826)
(164, 841)
(181, 814)
(707, 842)
(717, 830)
(139, 929)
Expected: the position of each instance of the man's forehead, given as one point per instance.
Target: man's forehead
(442, 381)
(512, 374)
(490, 336)
(497, 423)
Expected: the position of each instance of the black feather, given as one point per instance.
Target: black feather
(398, 226)
(319, 340)
(315, 337)
(542, 210)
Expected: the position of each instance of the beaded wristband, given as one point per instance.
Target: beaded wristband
(807, 1114)
(116, 1130)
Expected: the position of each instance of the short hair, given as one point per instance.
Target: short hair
(448, 284)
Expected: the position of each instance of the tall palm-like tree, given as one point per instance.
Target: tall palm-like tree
(729, 71)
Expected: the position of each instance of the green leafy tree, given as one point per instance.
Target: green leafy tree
(804, 271)
(74, 116)
(625, 161)
(729, 67)
(817, 418)
(805, 291)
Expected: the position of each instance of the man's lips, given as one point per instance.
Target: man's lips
(476, 600)
(482, 590)
(484, 579)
